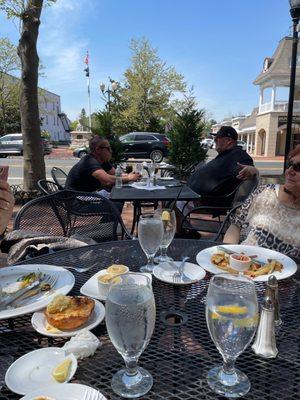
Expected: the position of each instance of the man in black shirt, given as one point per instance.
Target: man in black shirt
(94, 171)
(222, 174)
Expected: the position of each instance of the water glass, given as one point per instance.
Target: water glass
(151, 170)
(150, 235)
(139, 168)
(168, 218)
(130, 320)
(232, 317)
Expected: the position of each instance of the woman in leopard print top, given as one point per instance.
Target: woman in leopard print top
(270, 217)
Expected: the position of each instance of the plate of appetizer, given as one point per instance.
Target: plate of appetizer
(65, 316)
(255, 262)
(28, 288)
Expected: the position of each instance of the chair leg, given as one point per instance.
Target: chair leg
(135, 217)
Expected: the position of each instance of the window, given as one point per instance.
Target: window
(47, 119)
(79, 137)
(144, 138)
(127, 138)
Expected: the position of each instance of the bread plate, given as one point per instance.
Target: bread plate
(39, 322)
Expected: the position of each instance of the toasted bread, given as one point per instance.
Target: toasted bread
(67, 312)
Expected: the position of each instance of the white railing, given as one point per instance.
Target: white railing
(279, 106)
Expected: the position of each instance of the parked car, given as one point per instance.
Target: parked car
(145, 145)
(207, 143)
(80, 152)
(242, 144)
(12, 144)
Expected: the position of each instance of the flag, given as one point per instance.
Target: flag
(87, 71)
(86, 60)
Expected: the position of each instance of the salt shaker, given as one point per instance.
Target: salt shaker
(272, 291)
(265, 341)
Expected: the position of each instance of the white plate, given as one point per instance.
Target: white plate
(39, 322)
(91, 288)
(289, 266)
(33, 370)
(63, 285)
(165, 273)
(166, 178)
(65, 391)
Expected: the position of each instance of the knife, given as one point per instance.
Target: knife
(4, 303)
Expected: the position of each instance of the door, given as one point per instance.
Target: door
(128, 143)
(143, 144)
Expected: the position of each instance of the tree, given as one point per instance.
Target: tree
(83, 120)
(142, 102)
(9, 88)
(29, 12)
(185, 136)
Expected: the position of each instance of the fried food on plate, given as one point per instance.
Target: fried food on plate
(67, 312)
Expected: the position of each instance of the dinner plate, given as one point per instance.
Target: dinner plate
(65, 391)
(165, 273)
(91, 288)
(39, 322)
(289, 265)
(63, 285)
(166, 178)
(33, 370)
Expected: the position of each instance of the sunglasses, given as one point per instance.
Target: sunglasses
(295, 166)
(105, 147)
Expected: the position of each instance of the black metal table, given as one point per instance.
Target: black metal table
(180, 352)
(129, 193)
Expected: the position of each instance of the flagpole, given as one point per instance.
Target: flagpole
(87, 74)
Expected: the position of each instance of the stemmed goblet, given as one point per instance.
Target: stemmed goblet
(168, 218)
(130, 320)
(150, 235)
(232, 317)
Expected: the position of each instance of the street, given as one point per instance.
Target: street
(266, 167)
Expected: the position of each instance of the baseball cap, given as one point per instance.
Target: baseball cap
(226, 131)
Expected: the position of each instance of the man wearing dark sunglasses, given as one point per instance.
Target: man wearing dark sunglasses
(94, 171)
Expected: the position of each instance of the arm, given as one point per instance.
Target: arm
(232, 235)
(246, 172)
(7, 202)
(108, 180)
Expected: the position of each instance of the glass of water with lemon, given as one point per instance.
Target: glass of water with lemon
(232, 317)
(169, 228)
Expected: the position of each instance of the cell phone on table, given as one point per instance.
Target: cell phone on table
(4, 172)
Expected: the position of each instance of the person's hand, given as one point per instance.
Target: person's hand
(7, 202)
(246, 172)
(134, 176)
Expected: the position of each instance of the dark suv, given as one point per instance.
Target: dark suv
(145, 145)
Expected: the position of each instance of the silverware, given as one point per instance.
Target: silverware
(7, 301)
(91, 394)
(179, 276)
(48, 280)
(77, 269)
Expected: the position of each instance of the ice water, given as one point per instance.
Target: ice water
(232, 321)
(150, 234)
(130, 319)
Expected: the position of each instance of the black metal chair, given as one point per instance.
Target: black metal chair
(68, 212)
(59, 176)
(213, 220)
(47, 187)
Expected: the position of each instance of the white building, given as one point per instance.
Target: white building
(52, 118)
(264, 129)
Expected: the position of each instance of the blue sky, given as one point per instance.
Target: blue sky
(219, 46)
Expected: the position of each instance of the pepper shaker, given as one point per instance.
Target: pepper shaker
(272, 291)
(265, 341)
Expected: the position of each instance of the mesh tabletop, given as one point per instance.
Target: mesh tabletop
(180, 352)
(128, 193)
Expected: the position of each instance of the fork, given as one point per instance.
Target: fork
(77, 269)
(179, 277)
(48, 279)
(91, 394)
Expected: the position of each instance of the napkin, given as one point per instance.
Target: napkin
(82, 345)
(145, 187)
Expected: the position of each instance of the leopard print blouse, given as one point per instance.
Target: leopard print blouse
(264, 221)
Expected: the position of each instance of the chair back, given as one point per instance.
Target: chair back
(59, 176)
(244, 190)
(68, 212)
(47, 187)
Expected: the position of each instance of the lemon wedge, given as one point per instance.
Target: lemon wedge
(232, 309)
(165, 216)
(61, 372)
(117, 269)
